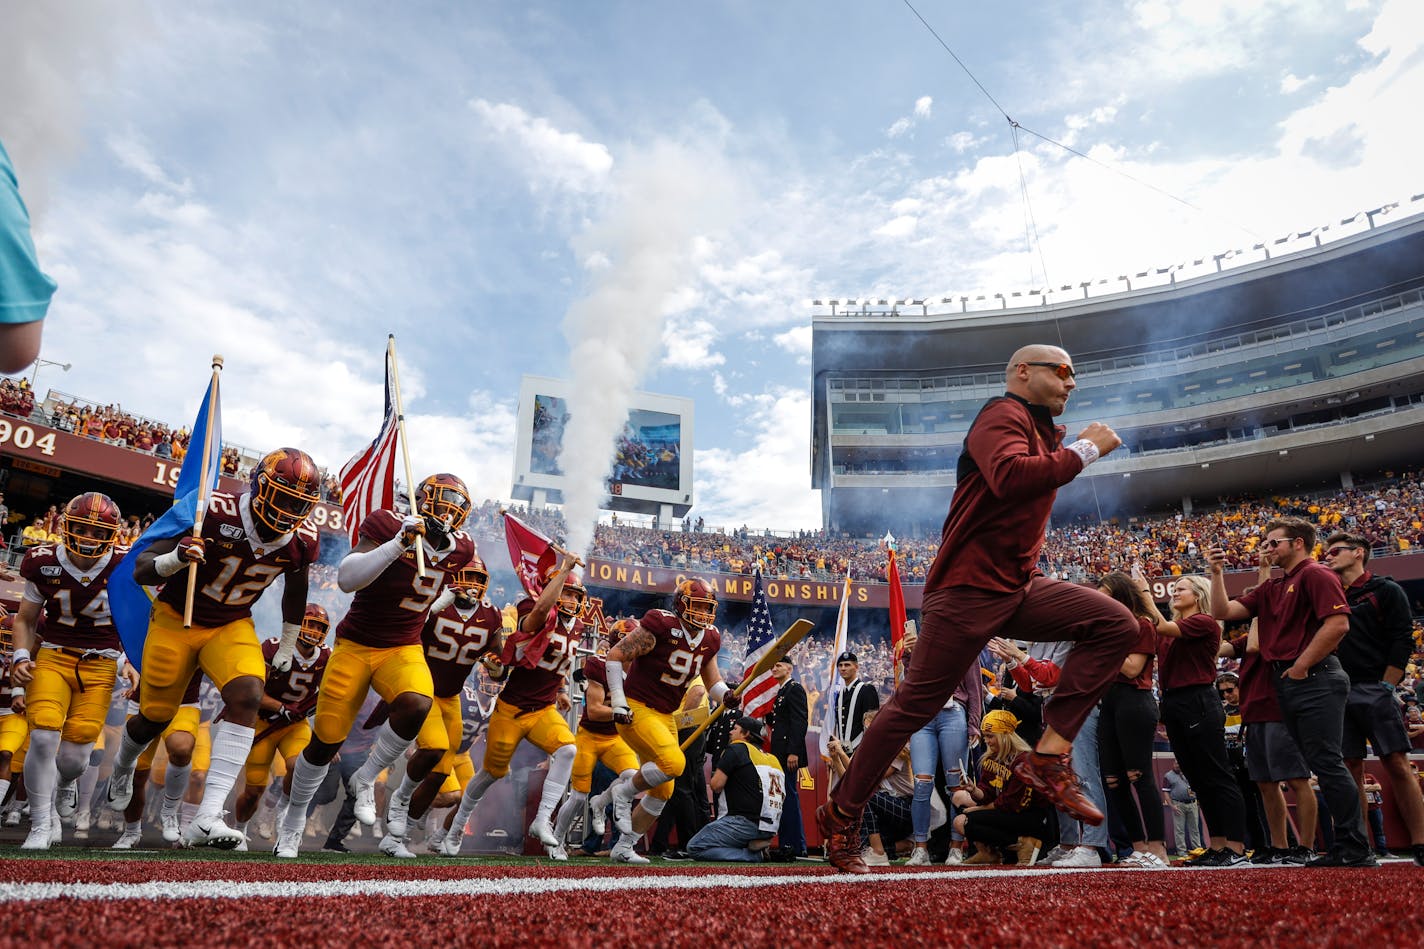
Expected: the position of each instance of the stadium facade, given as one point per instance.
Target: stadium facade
(1296, 365)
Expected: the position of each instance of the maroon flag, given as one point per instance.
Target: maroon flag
(368, 479)
(526, 548)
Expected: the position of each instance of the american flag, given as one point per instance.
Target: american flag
(760, 694)
(368, 479)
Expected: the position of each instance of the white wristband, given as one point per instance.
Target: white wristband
(613, 669)
(20, 655)
(168, 564)
(1085, 450)
(718, 692)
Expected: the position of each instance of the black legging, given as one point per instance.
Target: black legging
(1196, 726)
(995, 828)
(1126, 729)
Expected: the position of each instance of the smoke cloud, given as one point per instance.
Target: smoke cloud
(639, 256)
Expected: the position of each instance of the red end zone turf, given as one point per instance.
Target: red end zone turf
(683, 906)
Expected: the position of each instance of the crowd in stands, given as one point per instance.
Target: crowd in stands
(16, 397)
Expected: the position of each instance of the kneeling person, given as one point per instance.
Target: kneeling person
(752, 788)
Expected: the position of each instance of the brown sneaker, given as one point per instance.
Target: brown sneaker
(985, 857)
(1027, 850)
(1053, 777)
(842, 839)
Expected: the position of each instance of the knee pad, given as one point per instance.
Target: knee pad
(654, 805)
(72, 760)
(654, 775)
(564, 754)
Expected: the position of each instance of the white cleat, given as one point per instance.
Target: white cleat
(12, 817)
(289, 843)
(364, 794)
(66, 801)
(598, 812)
(211, 832)
(56, 830)
(120, 789)
(450, 846)
(40, 838)
(242, 847)
(557, 853)
(172, 825)
(624, 852)
(397, 816)
(127, 840)
(393, 846)
(623, 806)
(542, 831)
(82, 823)
(435, 840)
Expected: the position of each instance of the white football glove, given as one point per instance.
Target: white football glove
(282, 659)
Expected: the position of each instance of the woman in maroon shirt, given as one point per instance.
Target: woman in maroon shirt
(1196, 721)
(1125, 731)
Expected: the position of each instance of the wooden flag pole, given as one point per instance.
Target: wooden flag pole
(783, 645)
(203, 489)
(405, 450)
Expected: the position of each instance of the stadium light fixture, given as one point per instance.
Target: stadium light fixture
(64, 366)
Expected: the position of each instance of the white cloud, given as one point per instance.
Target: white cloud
(902, 226)
(565, 160)
(766, 482)
(1291, 83)
(922, 107)
(961, 142)
(796, 341)
(900, 127)
(687, 344)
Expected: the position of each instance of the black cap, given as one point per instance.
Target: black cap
(752, 726)
(847, 656)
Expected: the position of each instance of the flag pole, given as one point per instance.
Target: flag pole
(405, 449)
(204, 489)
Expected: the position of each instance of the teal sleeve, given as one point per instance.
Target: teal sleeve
(25, 290)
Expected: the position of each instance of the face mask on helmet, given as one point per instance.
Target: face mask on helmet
(471, 583)
(444, 503)
(286, 486)
(695, 604)
(314, 626)
(91, 523)
(571, 599)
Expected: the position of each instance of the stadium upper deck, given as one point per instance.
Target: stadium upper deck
(1294, 369)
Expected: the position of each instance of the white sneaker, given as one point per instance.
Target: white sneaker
(598, 812)
(393, 846)
(955, 858)
(624, 852)
(1052, 857)
(266, 827)
(120, 789)
(40, 838)
(623, 806)
(542, 831)
(289, 843)
(82, 822)
(56, 829)
(557, 853)
(873, 859)
(397, 816)
(211, 832)
(454, 838)
(364, 793)
(12, 817)
(920, 858)
(128, 839)
(435, 840)
(66, 800)
(1080, 858)
(172, 825)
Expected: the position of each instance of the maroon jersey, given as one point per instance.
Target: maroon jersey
(297, 687)
(390, 611)
(594, 668)
(659, 679)
(532, 689)
(76, 602)
(239, 565)
(454, 639)
(1004, 789)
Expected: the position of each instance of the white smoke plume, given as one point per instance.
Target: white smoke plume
(639, 256)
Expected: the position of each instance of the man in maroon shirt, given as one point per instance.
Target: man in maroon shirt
(985, 582)
(1301, 618)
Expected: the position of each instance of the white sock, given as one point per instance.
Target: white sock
(407, 787)
(571, 809)
(186, 813)
(388, 747)
(133, 827)
(41, 774)
(129, 750)
(4, 788)
(306, 781)
(175, 783)
(561, 765)
(479, 784)
(231, 745)
(88, 779)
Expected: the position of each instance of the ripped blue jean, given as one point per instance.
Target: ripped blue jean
(942, 744)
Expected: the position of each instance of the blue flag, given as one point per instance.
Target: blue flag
(130, 603)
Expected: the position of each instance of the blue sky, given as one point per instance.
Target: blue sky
(286, 183)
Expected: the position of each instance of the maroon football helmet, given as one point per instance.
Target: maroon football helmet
(444, 499)
(315, 623)
(90, 524)
(473, 579)
(695, 604)
(286, 485)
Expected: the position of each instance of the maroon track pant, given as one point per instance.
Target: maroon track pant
(956, 624)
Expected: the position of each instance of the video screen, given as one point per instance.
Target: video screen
(648, 452)
(551, 414)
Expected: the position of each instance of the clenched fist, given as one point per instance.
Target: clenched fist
(190, 550)
(1102, 436)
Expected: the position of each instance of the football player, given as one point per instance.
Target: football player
(463, 628)
(597, 740)
(378, 646)
(69, 682)
(536, 693)
(247, 541)
(180, 746)
(289, 697)
(667, 651)
(14, 727)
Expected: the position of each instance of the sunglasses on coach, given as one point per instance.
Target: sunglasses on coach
(1060, 369)
(1339, 549)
